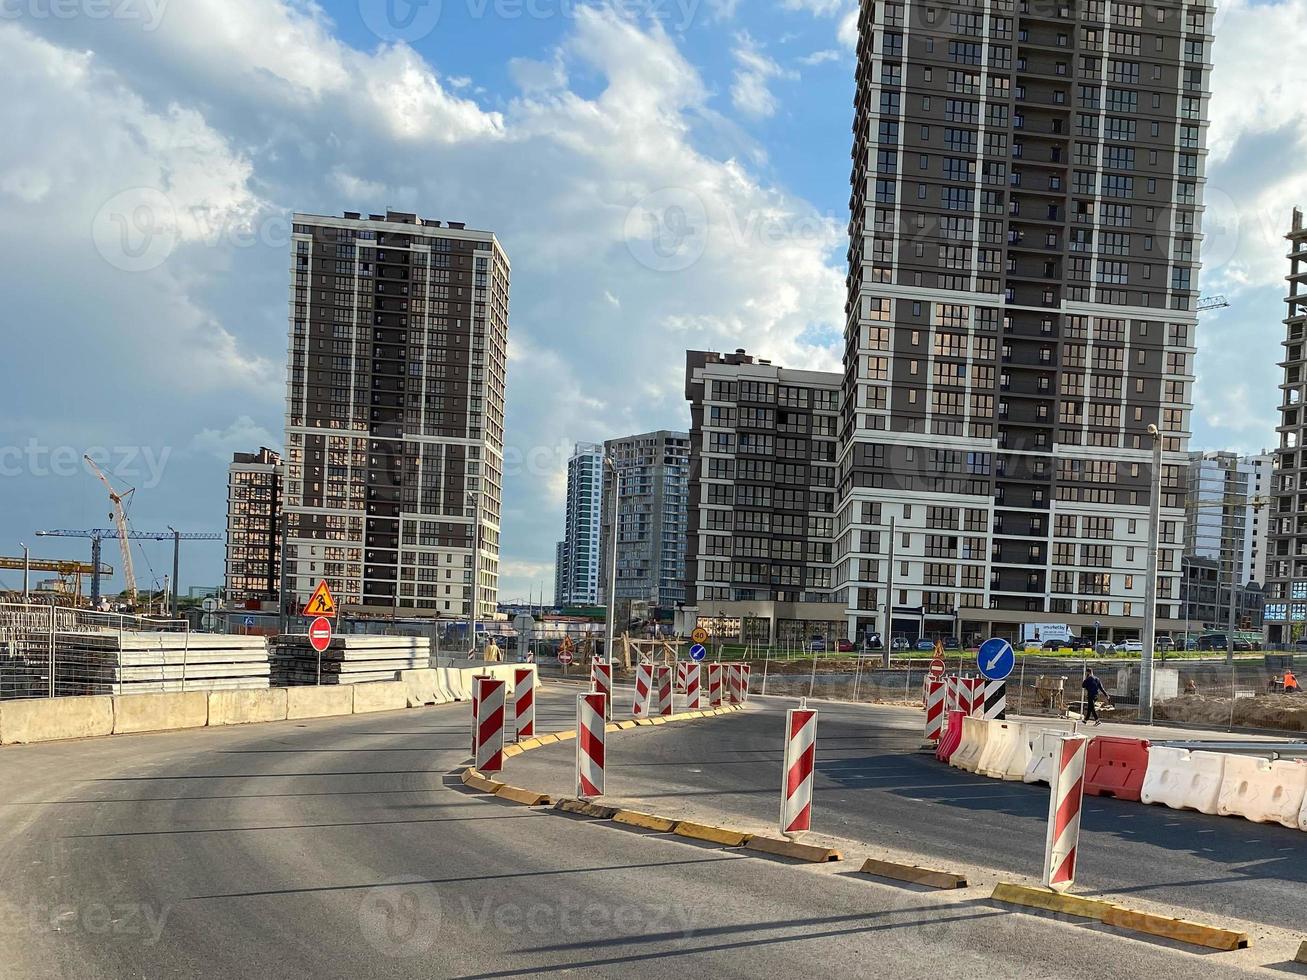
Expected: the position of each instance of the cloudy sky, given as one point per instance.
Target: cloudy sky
(663, 173)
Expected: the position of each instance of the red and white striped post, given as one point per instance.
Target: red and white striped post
(1065, 798)
(524, 702)
(715, 685)
(681, 674)
(935, 717)
(694, 687)
(800, 760)
(489, 752)
(952, 701)
(744, 683)
(643, 685)
(601, 680)
(736, 683)
(663, 689)
(591, 710)
(977, 695)
(476, 700)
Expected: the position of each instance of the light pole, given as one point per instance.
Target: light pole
(612, 562)
(1150, 585)
(27, 574)
(476, 563)
(1185, 593)
(1084, 665)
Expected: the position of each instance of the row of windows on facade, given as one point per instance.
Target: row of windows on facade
(1121, 14)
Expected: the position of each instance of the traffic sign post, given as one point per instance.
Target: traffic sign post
(320, 639)
(699, 635)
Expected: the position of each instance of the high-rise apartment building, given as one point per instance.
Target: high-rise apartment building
(578, 554)
(762, 497)
(653, 493)
(395, 412)
(1286, 567)
(254, 501)
(1027, 188)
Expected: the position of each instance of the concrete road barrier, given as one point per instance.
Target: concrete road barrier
(1183, 780)
(1262, 791)
(247, 707)
(422, 687)
(328, 701)
(380, 696)
(134, 713)
(52, 719)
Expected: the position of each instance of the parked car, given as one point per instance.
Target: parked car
(872, 641)
(1053, 645)
(925, 644)
(817, 644)
(1131, 646)
(1164, 643)
(1105, 647)
(900, 643)
(844, 646)
(1211, 641)
(952, 643)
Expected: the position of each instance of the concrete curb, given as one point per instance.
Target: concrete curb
(647, 821)
(526, 797)
(474, 779)
(714, 835)
(814, 853)
(1302, 954)
(912, 874)
(1050, 901)
(585, 809)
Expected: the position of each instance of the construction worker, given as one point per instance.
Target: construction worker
(1290, 682)
(1093, 688)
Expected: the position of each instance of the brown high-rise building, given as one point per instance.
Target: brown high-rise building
(395, 412)
(1027, 188)
(254, 499)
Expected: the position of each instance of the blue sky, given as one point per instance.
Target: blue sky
(153, 155)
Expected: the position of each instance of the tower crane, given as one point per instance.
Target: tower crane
(120, 522)
(99, 534)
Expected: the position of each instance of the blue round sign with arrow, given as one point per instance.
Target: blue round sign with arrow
(996, 659)
(698, 652)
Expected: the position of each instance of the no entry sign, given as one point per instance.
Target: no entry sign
(320, 634)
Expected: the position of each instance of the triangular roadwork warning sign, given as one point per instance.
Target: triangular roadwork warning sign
(320, 603)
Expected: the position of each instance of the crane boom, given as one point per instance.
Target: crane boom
(120, 522)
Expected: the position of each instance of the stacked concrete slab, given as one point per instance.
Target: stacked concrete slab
(350, 659)
(114, 662)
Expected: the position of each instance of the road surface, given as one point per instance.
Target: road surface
(345, 848)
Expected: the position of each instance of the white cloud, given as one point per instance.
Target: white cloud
(820, 57)
(750, 89)
(821, 8)
(243, 435)
(848, 29)
(533, 76)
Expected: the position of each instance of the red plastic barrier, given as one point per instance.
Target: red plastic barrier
(1116, 767)
(952, 738)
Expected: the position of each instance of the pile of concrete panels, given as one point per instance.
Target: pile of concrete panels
(350, 659)
(127, 662)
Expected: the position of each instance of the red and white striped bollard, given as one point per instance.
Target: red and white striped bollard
(935, 717)
(800, 762)
(715, 685)
(643, 685)
(601, 679)
(524, 702)
(489, 753)
(591, 710)
(694, 687)
(663, 690)
(1067, 791)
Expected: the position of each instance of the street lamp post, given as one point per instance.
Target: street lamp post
(612, 562)
(27, 575)
(1150, 586)
(476, 564)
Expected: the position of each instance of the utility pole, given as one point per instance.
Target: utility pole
(176, 552)
(612, 563)
(283, 595)
(476, 563)
(1150, 586)
(888, 638)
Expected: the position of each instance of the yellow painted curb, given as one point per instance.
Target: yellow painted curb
(1302, 954)
(644, 721)
(613, 726)
(660, 720)
(912, 874)
(1180, 930)
(1051, 901)
(586, 809)
(546, 740)
(624, 725)
(646, 820)
(793, 849)
(527, 744)
(477, 781)
(715, 835)
(527, 797)
(512, 750)
(564, 736)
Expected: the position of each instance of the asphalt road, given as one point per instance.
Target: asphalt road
(343, 847)
(874, 785)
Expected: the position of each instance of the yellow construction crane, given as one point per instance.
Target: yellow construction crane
(66, 570)
(120, 522)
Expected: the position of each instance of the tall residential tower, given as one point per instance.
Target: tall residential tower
(577, 572)
(395, 412)
(1023, 263)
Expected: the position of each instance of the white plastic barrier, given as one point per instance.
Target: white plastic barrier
(975, 734)
(1262, 791)
(1302, 817)
(1183, 780)
(1007, 752)
(1042, 745)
